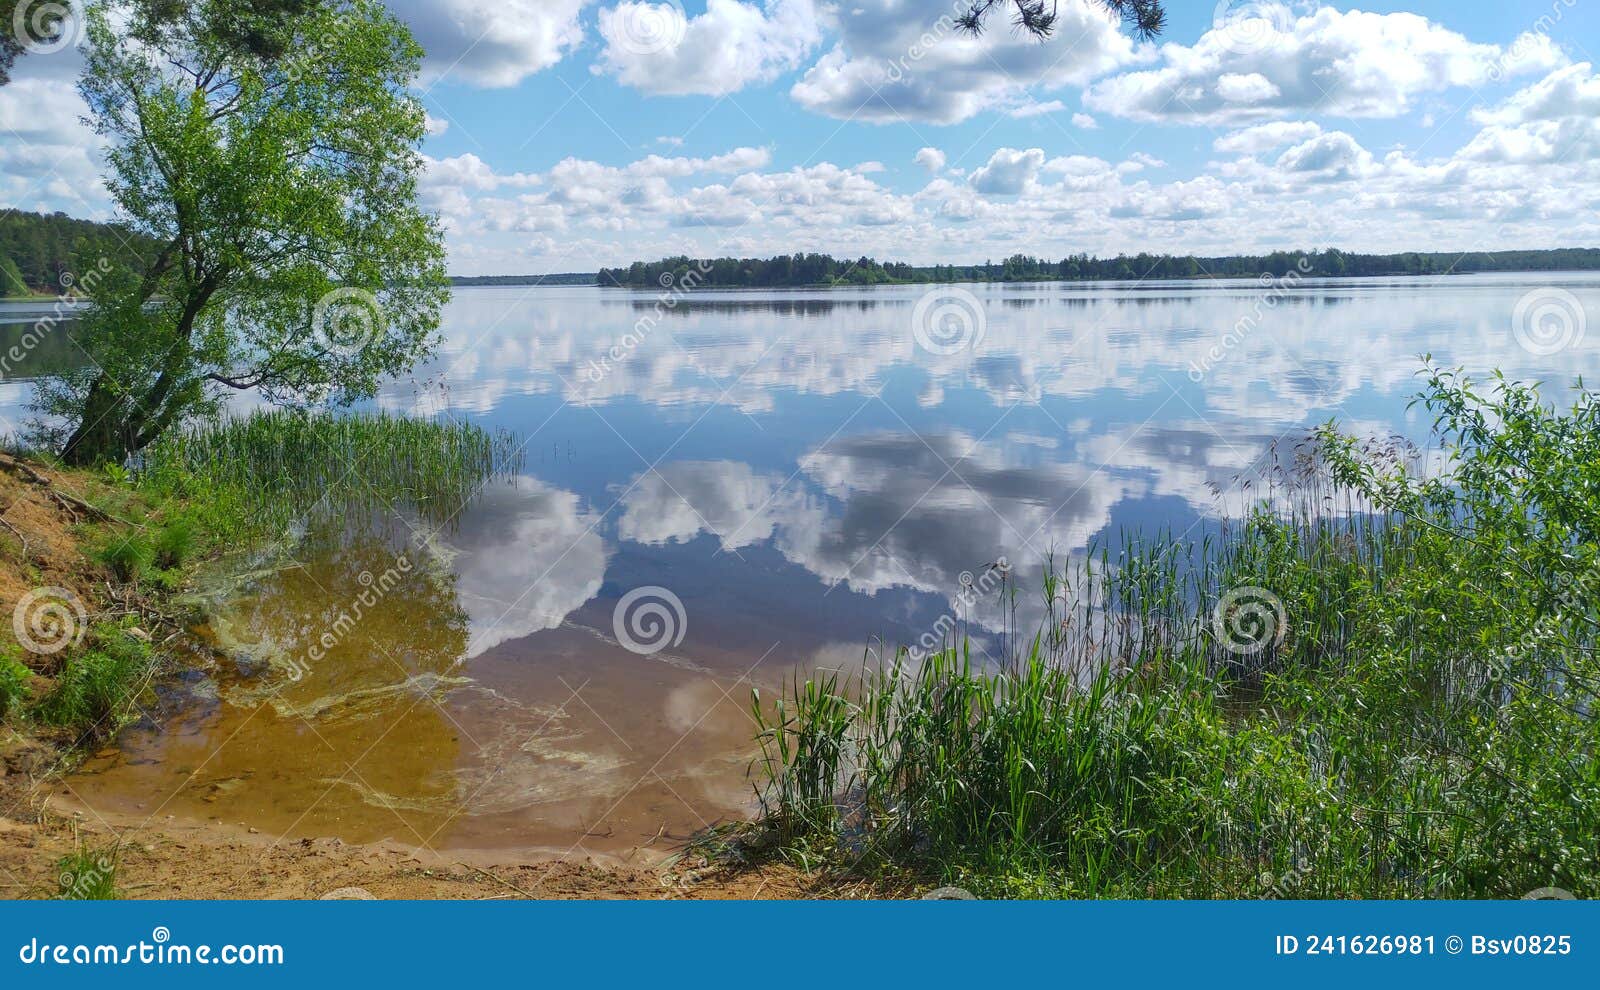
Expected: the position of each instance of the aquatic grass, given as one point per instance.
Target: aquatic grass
(272, 468)
(1402, 703)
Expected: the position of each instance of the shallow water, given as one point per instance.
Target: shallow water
(790, 476)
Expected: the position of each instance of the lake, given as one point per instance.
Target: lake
(720, 488)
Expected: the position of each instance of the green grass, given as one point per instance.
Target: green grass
(13, 684)
(128, 554)
(1417, 721)
(87, 875)
(97, 684)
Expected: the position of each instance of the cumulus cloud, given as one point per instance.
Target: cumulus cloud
(1528, 176)
(903, 60)
(655, 48)
(1084, 121)
(1346, 63)
(496, 44)
(1570, 92)
(1335, 155)
(1555, 120)
(1008, 171)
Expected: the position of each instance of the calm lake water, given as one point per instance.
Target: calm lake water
(778, 479)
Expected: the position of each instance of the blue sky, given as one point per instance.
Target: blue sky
(570, 134)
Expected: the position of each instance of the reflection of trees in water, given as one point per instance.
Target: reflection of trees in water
(36, 345)
(778, 307)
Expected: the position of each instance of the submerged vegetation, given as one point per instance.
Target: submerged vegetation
(1381, 684)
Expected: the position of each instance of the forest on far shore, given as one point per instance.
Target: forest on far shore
(822, 269)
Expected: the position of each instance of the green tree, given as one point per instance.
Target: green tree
(11, 281)
(11, 45)
(269, 151)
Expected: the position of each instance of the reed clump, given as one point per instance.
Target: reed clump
(273, 468)
(1380, 682)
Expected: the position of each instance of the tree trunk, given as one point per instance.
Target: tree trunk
(102, 434)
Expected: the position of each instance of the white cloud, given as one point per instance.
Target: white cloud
(48, 159)
(1346, 63)
(1265, 137)
(1008, 171)
(1570, 92)
(1553, 121)
(654, 48)
(902, 60)
(1084, 121)
(1335, 155)
(1248, 87)
(1523, 179)
(491, 44)
(1036, 109)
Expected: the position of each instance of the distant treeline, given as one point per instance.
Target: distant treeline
(822, 269)
(37, 249)
(567, 278)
